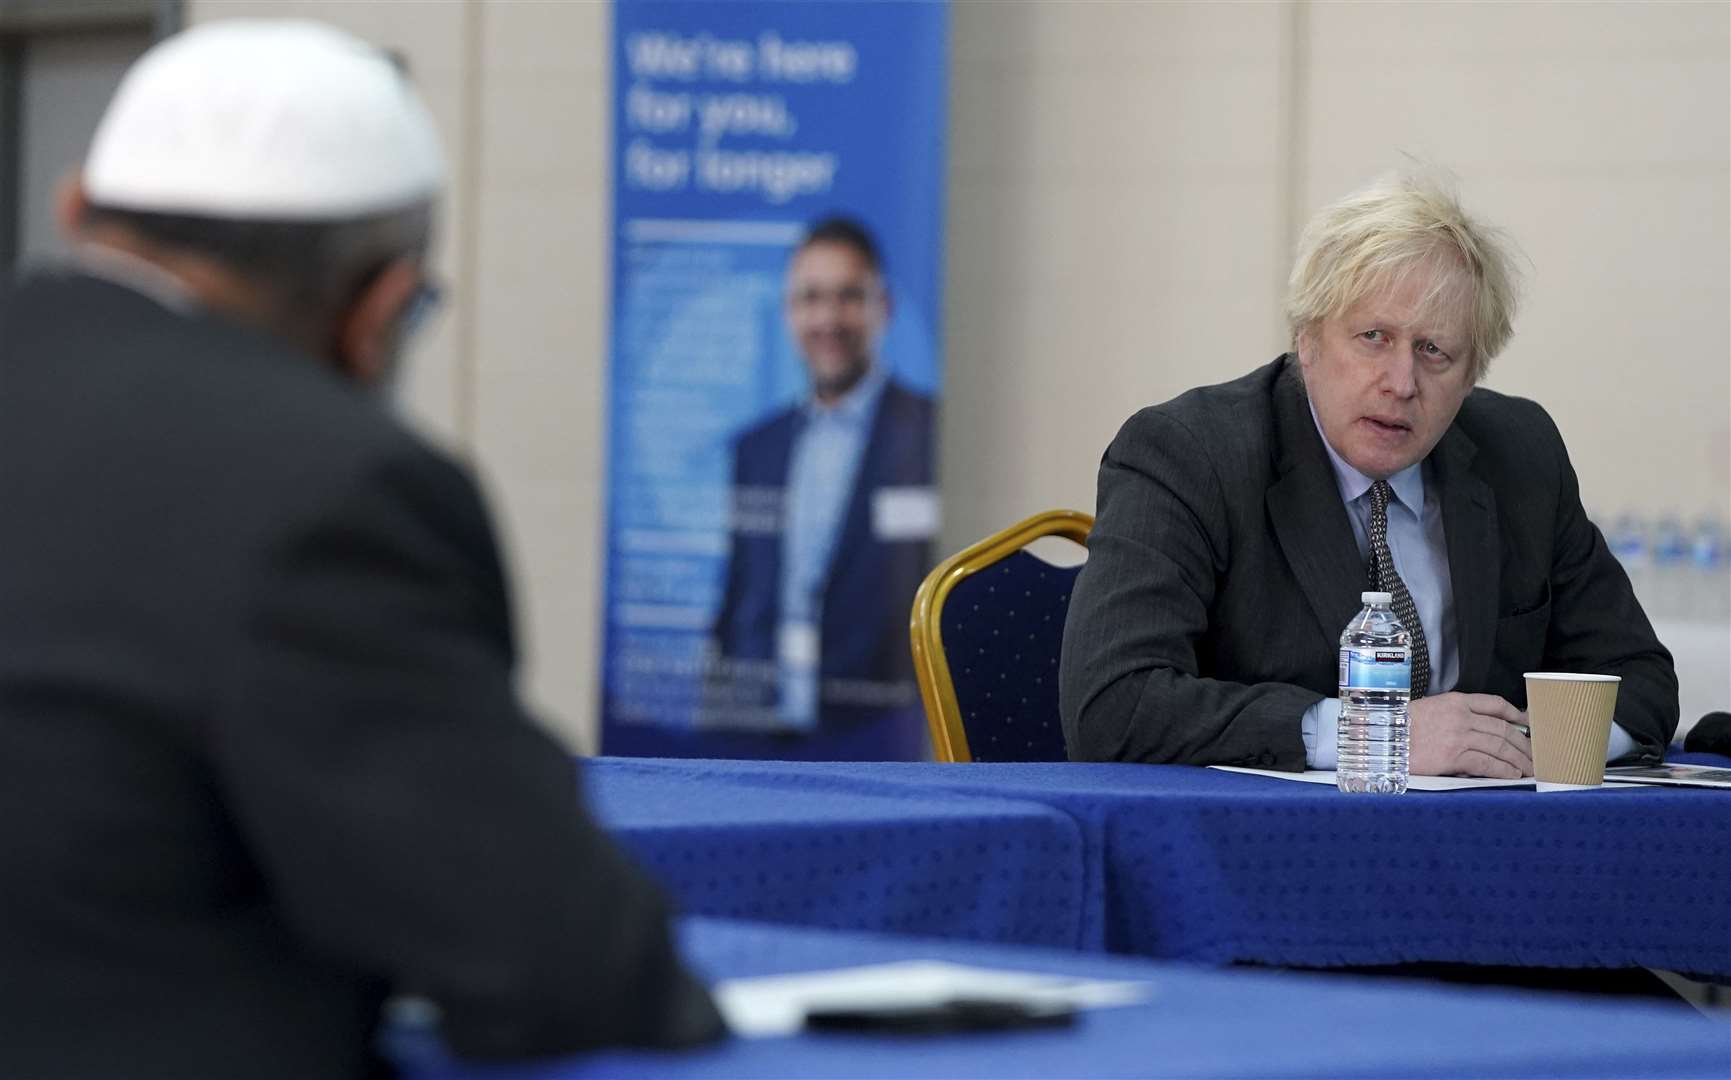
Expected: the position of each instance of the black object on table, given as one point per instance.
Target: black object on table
(940, 1018)
(1712, 735)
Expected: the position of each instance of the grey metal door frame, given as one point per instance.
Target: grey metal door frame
(24, 20)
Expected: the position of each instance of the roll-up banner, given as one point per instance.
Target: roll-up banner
(774, 375)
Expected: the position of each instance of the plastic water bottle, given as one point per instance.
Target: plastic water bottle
(1627, 539)
(1671, 585)
(1710, 555)
(1375, 683)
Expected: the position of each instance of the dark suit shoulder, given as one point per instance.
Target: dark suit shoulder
(907, 403)
(902, 407)
(1509, 432)
(194, 425)
(1229, 423)
(776, 428)
(1228, 407)
(1253, 390)
(1490, 412)
(195, 390)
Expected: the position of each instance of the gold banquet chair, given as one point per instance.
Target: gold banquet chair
(987, 626)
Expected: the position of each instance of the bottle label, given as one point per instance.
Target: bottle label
(1376, 669)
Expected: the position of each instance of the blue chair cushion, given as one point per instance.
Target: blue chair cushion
(1002, 629)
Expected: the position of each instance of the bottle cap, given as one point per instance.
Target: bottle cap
(1376, 598)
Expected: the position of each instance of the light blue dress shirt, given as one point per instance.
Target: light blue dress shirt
(1420, 551)
(827, 450)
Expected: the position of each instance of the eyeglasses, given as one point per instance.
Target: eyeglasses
(422, 306)
(848, 296)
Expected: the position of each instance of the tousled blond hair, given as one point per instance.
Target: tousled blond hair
(1372, 238)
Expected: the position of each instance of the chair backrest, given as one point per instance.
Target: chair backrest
(987, 627)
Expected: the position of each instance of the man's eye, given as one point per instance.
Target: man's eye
(1372, 335)
(1433, 350)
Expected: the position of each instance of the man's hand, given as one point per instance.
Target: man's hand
(1468, 735)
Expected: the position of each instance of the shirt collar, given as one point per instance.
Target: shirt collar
(1408, 484)
(856, 404)
(138, 275)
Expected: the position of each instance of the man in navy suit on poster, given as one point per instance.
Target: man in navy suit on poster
(833, 515)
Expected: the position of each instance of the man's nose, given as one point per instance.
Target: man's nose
(1399, 374)
(826, 307)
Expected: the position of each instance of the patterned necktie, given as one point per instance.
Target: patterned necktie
(1380, 571)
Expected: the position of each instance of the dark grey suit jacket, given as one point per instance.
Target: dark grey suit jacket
(1222, 569)
(261, 761)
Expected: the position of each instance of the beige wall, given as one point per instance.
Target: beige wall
(1125, 181)
(1599, 135)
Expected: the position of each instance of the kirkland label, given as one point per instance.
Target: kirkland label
(1376, 669)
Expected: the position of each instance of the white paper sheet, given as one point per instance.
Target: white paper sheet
(1680, 774)
(775, 1005)
(1413, 783)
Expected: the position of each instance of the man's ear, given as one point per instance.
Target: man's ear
(366, 332)
(70, 205)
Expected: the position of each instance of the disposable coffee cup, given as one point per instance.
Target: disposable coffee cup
(1569, 716)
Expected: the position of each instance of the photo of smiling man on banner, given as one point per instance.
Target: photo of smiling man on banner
(833, 515)
(775, 369)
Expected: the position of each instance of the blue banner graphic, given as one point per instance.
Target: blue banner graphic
(775, 373)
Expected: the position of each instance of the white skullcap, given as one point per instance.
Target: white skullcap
(264, 120)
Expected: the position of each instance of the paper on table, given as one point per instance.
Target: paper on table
(1413, 783)
(774, 1005)
(1677, 773)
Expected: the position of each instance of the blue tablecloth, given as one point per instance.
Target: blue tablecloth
(1203, 865)
(1684, 757)
(922, 862)
(1197, 1023)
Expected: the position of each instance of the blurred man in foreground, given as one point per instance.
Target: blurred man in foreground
(1239, 523)
(261, 761)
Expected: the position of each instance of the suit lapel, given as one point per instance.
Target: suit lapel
(1469, 512)
(1308, 517)
(777, 462)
